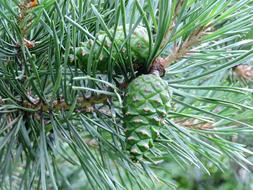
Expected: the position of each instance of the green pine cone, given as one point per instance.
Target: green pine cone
(139, 44)
(145, 107)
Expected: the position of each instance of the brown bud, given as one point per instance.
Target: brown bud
(244, 72)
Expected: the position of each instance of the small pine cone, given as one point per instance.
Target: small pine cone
(145, 108)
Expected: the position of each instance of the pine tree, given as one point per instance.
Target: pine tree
(119, 89)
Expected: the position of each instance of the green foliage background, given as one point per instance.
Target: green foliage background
(61, 126)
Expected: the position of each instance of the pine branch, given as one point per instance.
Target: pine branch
(41, 90)
(180, 51)
(82, 104)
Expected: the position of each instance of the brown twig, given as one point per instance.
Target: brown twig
(157, 66)
(29, 44)
(160, 64)
(181, 51)
(25, 20)
(82, 104)
(195, 124)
